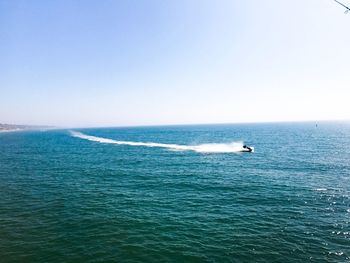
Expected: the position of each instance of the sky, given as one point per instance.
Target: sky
(87, 63)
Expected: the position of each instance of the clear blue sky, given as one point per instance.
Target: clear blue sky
(106, 63)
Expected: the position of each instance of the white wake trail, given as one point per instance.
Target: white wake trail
(202, 148)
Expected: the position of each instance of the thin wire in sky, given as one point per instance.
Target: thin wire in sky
(347, 8)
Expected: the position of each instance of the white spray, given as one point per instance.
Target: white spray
(202, 148)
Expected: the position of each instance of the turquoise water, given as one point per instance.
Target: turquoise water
(65, 198)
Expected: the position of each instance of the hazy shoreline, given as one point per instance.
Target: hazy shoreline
(4, 128)
(11, 130)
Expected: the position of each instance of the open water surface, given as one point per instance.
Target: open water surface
(177, 194)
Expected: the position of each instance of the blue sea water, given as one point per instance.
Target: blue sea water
(69, 198)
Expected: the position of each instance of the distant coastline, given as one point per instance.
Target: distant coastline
(16, 128)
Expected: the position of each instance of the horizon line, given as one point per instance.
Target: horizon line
(195, 124)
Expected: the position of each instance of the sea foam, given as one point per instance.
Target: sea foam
(232, 147)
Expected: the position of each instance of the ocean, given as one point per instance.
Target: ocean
(177, 194)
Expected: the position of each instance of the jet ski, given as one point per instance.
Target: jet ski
(247, 149)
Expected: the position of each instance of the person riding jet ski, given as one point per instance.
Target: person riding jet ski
(247, 148)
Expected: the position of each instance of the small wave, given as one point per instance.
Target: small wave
(232, 147)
